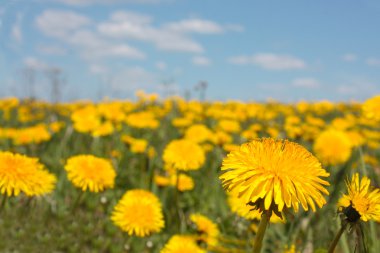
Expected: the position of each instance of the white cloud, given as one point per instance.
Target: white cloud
(270, 61)
(138, 27)
(195, 26)
(349, 57)
(76, 32)
(305, 83)
(173, 36)
(90, 2)
(161, 65)
(132, 79)
(201, 61)
(373, 61)
(35, 63)
(51, 50)
(60, 24)
(16, 32)
(98, 69)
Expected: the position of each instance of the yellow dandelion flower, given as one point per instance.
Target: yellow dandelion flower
(19, 173)
(207, 229)
(185, 182)
(362, 201)
(371, 108)
(139, 213)
(182, 244)
(103, 129)
(273, 174)
(333, 147)
(291, 249)
(184, 155)
(90, 172)
(246, 211)
(142, 120)
(229, 126)
(199, 133)
(161, 180)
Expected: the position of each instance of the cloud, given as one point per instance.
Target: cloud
(34, 63)
(52, 50)
(349, 57)
(195, 26)
(60, 24)
(16, 32)
(98, 69)
(201, 61)
(173, 36)
(76, 32)
(161, 65)
(270, 61)
(305, 83)
(373, 62)
(132, 79)
(138, 27)
(91, 2)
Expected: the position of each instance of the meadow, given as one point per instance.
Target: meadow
(158, 161)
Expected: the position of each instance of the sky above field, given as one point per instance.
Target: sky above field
(246, 50)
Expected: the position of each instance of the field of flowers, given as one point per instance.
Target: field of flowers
(177, 176)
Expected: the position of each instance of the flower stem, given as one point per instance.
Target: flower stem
(261, 232)
(2, 205)
(337, 237)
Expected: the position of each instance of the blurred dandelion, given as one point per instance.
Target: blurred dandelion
(184, 155)
(333, 147)
(90, 172)
(208, 231)
(139, 213)
(182, 244)
(22, 174)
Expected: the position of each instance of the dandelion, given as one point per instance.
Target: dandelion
(90, 172)
(139, 213)
(371, 108)
(19, 173)
(182, 182)
(361, 203)
(272, 175)
(207, 229)
(246, 211)
(182, 244)
(184, 155)
(333, 147)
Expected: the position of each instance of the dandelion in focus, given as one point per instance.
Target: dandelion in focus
(362, 202)
(272, 175)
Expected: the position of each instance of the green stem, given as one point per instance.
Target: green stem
(3, 201)
(261, 232)
(337, 237)
(77, 201)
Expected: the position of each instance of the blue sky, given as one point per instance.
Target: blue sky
(246, 50)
